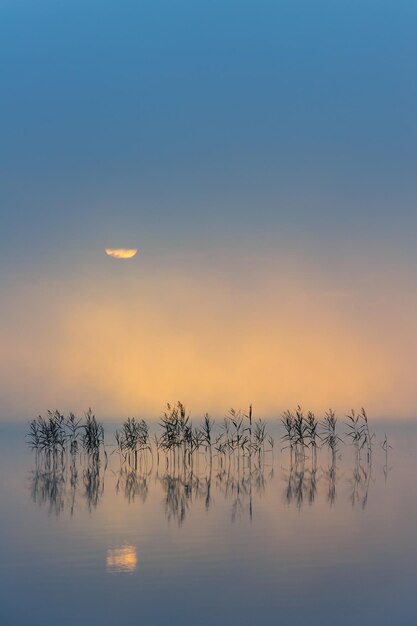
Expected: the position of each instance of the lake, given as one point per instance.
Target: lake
(318, 541)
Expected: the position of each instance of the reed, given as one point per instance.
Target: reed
(329, 436)
(57, 436)
(287, 421)
(239, 439)
(232, 453)
(207, 434)
(133, 439)
(311, 436)
(386, 446)
(300, 431)
(93, 435)
(174, 424)
(48, 435)
(368, 437)
(356, 429)
(259, 438)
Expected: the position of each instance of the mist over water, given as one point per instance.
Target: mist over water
(286, 538)
(213, 202)
(270, 331)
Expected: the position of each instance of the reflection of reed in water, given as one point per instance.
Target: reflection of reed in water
(301, 480)
(182, 488)
(330, 440)
(56, 483)
(48, 487)
(239, 482)
(360, 479)
(133, 483)
(386, 468)
(190, 455)
(331, 477)
(189, 461)
(304, 436)
(362, 442)
(93, 480)
(61, 444)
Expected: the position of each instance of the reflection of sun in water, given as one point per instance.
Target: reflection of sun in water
(122, 559)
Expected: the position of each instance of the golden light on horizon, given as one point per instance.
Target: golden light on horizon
(121, 253)
(109, 343)
(122, 559)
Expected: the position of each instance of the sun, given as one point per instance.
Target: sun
(121, 253)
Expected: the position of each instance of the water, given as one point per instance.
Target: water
(284, 546)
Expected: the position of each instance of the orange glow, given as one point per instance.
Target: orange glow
(121, 253)
(121, 559)
(127, 345)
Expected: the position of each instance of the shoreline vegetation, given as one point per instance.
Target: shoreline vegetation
(237, 454)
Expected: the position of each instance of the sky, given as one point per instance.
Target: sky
(260, 155)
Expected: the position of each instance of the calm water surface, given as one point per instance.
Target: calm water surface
(286, 543)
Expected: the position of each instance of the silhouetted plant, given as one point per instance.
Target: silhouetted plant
(207, 434)
(329, 436)
(287, 421)
(260, 437)
(300, 432)
(311, 436)
(133, 439)
(367, 435)
(355, 427)
(93, 434)
(174, 424)
(73, 428)
(57, 435)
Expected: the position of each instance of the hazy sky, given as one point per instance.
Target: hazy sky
(262, 157)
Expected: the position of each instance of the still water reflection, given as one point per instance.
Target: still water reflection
(122, 559)
(288, 539)
(64, 484)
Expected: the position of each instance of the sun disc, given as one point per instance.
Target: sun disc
(121, 253)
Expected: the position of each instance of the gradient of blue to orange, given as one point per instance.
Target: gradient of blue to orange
(261, 156)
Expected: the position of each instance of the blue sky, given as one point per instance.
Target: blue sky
(232, 137)
(159, 121)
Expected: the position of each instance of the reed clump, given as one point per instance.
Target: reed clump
(239, 438)
(231, 454)
(359, 432)
(301, 431)
(56, 435)
(133, 440)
